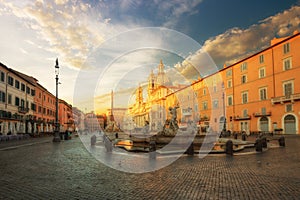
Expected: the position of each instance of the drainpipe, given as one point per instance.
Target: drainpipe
(274, 89)
(6, 89)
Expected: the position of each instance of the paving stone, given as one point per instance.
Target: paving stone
(46, 170)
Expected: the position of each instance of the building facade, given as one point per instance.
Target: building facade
(44, 113)
(260, 93)
(65, 116)
(16, 102)
(28, 107)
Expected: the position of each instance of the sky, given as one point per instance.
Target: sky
(114, 44)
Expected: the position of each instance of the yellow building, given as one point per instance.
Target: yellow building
(152, 109)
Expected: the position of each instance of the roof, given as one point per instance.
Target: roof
(25, 77)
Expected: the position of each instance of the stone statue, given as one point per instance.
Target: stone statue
(173, 121)
(146, 127)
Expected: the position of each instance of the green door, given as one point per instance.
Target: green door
(289, 124)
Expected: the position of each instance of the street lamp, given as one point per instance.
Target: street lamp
(224, 114)
(56, 130)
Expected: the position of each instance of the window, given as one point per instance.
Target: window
(204, 91)
(196, 107)
(44, 110)
(204, 105)
(229, 100)
(244, 67)
(22, 103)
(245, 97)
(32, 92)
(28, 90)
(262, 72)
(2, 96)
(17, 101)
(10, 81)
(215, 88)
(9, 99)
(229, 83)
(287, 64)
(288, 88)
(261, 59)
(263, 110)
(245, 113)
(17, 84)
(263, 93)
(2, 78)
(286, 48)
(215, 104)
(40, 109)
(23, 87)
(229, 72)
(289, 108)
(244, 79)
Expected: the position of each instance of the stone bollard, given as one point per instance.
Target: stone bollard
(190, 150)
(235, 136)
(107, 144)
(264, 142)
(258, 145)
(152, 150)
(93, 140)
(281, 141)
(229, 147)
(244, 136)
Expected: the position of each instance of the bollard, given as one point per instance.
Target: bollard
(190, 150)
(258, 145)
(264, 142)
(152, 150)
(229, 147)
(93, 140)
(235, 135)
(66, 136)
(281, 141)
(244, 136)
(107, 144)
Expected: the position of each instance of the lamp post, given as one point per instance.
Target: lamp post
(224, 114)
(56, 130)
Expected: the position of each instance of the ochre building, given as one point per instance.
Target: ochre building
(260, 93)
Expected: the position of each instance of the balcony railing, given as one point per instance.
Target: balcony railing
(203, 119)
(187, 111)
(246, 117)
(257, 114)
(283, 99)
(23, 110)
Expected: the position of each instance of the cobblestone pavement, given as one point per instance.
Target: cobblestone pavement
(66, 170)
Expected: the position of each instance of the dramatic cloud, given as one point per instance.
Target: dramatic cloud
(173, 10)
(68, 27)
(237, 43)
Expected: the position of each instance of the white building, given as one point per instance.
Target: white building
(16, 102)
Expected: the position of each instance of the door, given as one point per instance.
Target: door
(289, 124)
(264, 124)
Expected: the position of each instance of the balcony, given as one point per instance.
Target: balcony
(204, 119)
(238, 118)
(23, 110)
(290, 98)
(187, 111)
(257, 114)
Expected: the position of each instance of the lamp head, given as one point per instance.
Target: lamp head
(56, 67)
